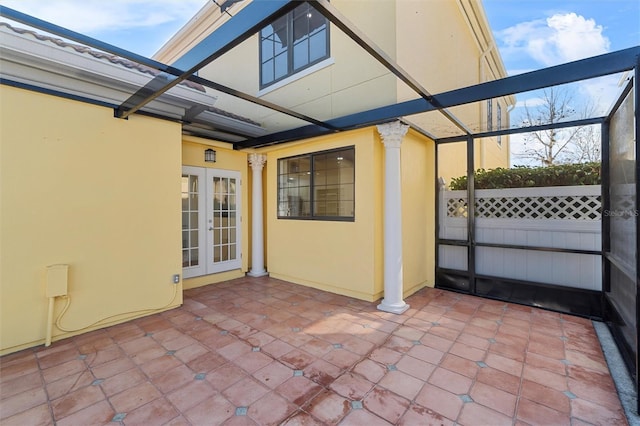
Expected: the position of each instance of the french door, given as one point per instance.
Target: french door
(210, 221)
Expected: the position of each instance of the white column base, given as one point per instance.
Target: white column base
(253, 273)
(394, 308)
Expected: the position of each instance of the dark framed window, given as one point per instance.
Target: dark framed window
(499, 114)
(319, 186)
(292, 43)
(489, 115)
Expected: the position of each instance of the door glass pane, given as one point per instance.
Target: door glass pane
(190, 215)
(224, 218)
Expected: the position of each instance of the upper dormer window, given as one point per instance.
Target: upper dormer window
(293, 42)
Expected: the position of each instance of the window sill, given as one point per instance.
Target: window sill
(297, 76)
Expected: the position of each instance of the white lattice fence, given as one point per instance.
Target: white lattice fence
(554, 217)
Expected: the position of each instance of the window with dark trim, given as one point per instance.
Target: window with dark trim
(499, 114)
(489, 115)
(292, 43)
(319, 186)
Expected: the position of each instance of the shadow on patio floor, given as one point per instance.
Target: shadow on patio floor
(263, 351)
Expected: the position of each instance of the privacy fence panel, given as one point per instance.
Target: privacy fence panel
(513, 225)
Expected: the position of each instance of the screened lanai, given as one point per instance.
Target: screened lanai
(435, 115)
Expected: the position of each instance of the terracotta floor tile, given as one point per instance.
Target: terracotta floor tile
(260, 339)
(341, 358)
(206, 362)
(507, 365)
(297, 359)
(277, 348)
(592, 362)
(122, 381)
(245, 392)
(385, 356)
(370, 370)
(22, 402)
(416, 368)
(476, 414)
(386, 404)
(418, 415)
(533, 413)
(75, 401)
(402, 384)
(20, 384)
(225, 376)
(191, 394)
(317, 347)
(38, 415)
(69, 384)
(468, 352)
(213, 410)
(450, 381)
(190, 352)
(273, 374)
(57, 358)
(427, 354)
(299, 390)
(173, 379)
(63, 370)
(18, 368)
(322, 372)
(474, 341)
(546, 378)
(409, 333)
(546, 396)
(97, 414)
(234, 350)
(134, 397)
(460, 365)
(597, 414)
(103, 355)
(328, 407)
(363, 417)
(301, 418)
(546, 363)
(444, 332)
(271, 409)
(159, 366)
(398, 344)
(157, 411)
(270, 347)
(351, 386)
(357, 345)
(112, 368)
(494, 398)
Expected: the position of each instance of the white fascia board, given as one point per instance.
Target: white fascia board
(44, 64)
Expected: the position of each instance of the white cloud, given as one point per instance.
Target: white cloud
(561, 38)
(89, 16)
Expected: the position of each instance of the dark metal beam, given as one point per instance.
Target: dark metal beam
(340, 21)
(528, 129)
(597, 66)
(243, 25)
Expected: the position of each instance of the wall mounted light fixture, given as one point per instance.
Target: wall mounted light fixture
(209, 155)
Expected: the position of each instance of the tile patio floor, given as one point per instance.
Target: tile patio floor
(263, 351)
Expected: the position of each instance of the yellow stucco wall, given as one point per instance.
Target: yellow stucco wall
(100, 194)
(226, 159)
(418, 212)
(333, 256)
(347, 257)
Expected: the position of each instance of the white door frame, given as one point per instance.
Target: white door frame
(207, 263)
